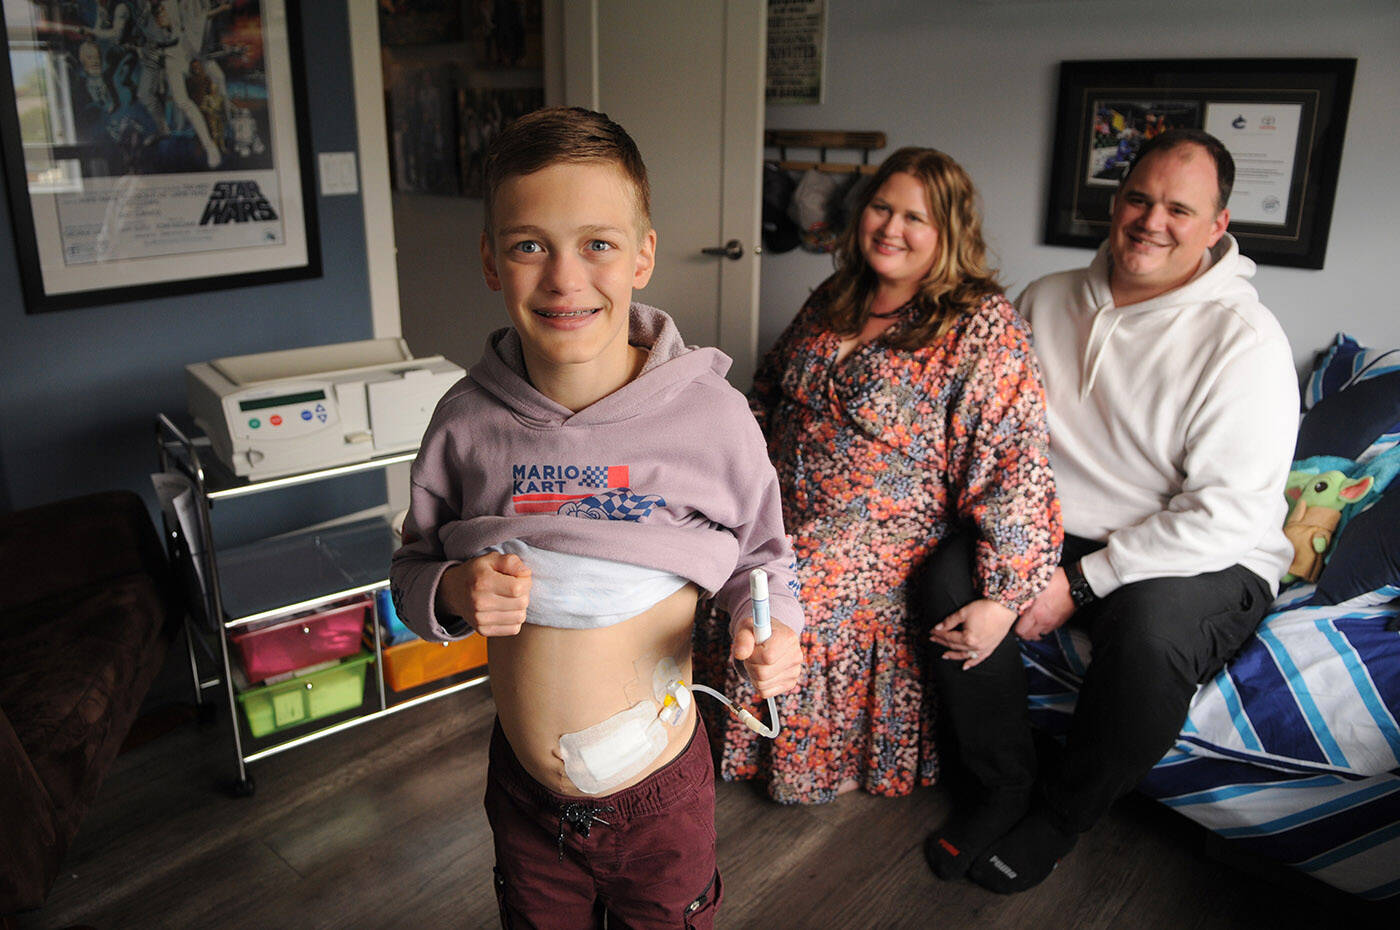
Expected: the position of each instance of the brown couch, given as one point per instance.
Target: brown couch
(87, 611)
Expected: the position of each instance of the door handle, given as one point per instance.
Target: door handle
(732, 250)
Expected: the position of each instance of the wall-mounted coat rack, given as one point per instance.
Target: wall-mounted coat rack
(821, 140)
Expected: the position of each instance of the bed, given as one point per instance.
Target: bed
(1293, 751)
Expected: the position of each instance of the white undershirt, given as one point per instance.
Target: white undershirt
(581, 592)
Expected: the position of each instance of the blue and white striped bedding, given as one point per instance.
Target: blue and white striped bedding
(1293, 751)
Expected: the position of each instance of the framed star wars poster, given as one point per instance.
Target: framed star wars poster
(155, 147)
(1282, 120)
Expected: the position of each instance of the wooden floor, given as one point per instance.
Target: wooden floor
(381, 827)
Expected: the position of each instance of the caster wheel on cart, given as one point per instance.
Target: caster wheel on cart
(242, 787)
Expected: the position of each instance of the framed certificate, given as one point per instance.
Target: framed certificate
(1282, 120)
(155, 147)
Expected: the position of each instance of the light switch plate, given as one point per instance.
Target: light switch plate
(338, 174)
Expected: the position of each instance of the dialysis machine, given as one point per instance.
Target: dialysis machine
(277, 413)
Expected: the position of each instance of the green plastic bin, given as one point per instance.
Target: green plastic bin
(273, 708)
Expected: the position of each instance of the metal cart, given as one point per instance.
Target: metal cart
(278, 577)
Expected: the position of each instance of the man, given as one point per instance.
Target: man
(1172, 404)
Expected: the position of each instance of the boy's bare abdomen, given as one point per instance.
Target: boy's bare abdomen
(548, 682)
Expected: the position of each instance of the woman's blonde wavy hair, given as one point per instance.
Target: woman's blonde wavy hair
(960, 277)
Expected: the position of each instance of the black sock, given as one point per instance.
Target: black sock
(1022, 858)
(951, 849)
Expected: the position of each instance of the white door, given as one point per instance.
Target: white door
(685, 79)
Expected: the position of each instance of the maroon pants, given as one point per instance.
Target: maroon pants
(644, 855)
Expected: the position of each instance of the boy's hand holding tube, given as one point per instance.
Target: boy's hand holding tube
(773, 666)
(490, 592)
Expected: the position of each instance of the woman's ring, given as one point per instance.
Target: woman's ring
(972, 654)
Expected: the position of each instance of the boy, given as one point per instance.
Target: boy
(573, 496)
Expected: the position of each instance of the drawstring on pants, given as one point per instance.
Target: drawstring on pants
(581, 817)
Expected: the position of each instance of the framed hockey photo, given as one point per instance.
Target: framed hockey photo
(155, 147)
(1283, 121)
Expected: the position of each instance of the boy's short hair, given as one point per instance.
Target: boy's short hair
(561, 135)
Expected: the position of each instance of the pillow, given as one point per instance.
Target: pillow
(1344, 363)
(1352, 399)
(1365, 559)
(1350, 421)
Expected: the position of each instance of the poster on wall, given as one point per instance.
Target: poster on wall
(506, 33)
(442, 117)
(796, 51)
(1283, 122)
(481, 115)
(422, 152)
(154, 147)
(413, 22)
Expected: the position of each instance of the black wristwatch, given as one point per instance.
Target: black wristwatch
(1079, 590)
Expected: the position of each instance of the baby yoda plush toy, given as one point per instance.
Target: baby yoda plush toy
(1317, 509)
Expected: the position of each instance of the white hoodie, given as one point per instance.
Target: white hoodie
(1172, 421)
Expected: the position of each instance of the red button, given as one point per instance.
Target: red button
(275, 420)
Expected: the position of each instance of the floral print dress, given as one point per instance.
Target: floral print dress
(880, 456)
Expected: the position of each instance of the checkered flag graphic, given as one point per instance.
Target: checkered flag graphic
(617, 504)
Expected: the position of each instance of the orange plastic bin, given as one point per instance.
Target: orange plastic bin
(411, 664)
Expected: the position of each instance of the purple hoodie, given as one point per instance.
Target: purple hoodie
(669, 472)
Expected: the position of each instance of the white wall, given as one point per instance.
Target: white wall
(978, 79)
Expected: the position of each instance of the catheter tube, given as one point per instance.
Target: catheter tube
(752, 722)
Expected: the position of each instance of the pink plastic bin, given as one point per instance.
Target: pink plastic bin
(332, 633)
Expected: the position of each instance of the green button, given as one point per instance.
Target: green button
(255, 423)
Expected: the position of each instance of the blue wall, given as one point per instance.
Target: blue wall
(79, 389)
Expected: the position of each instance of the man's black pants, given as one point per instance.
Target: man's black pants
(1153, 642)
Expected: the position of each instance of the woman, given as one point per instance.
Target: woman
(902, 403)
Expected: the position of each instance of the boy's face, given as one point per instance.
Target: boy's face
(566, 253)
